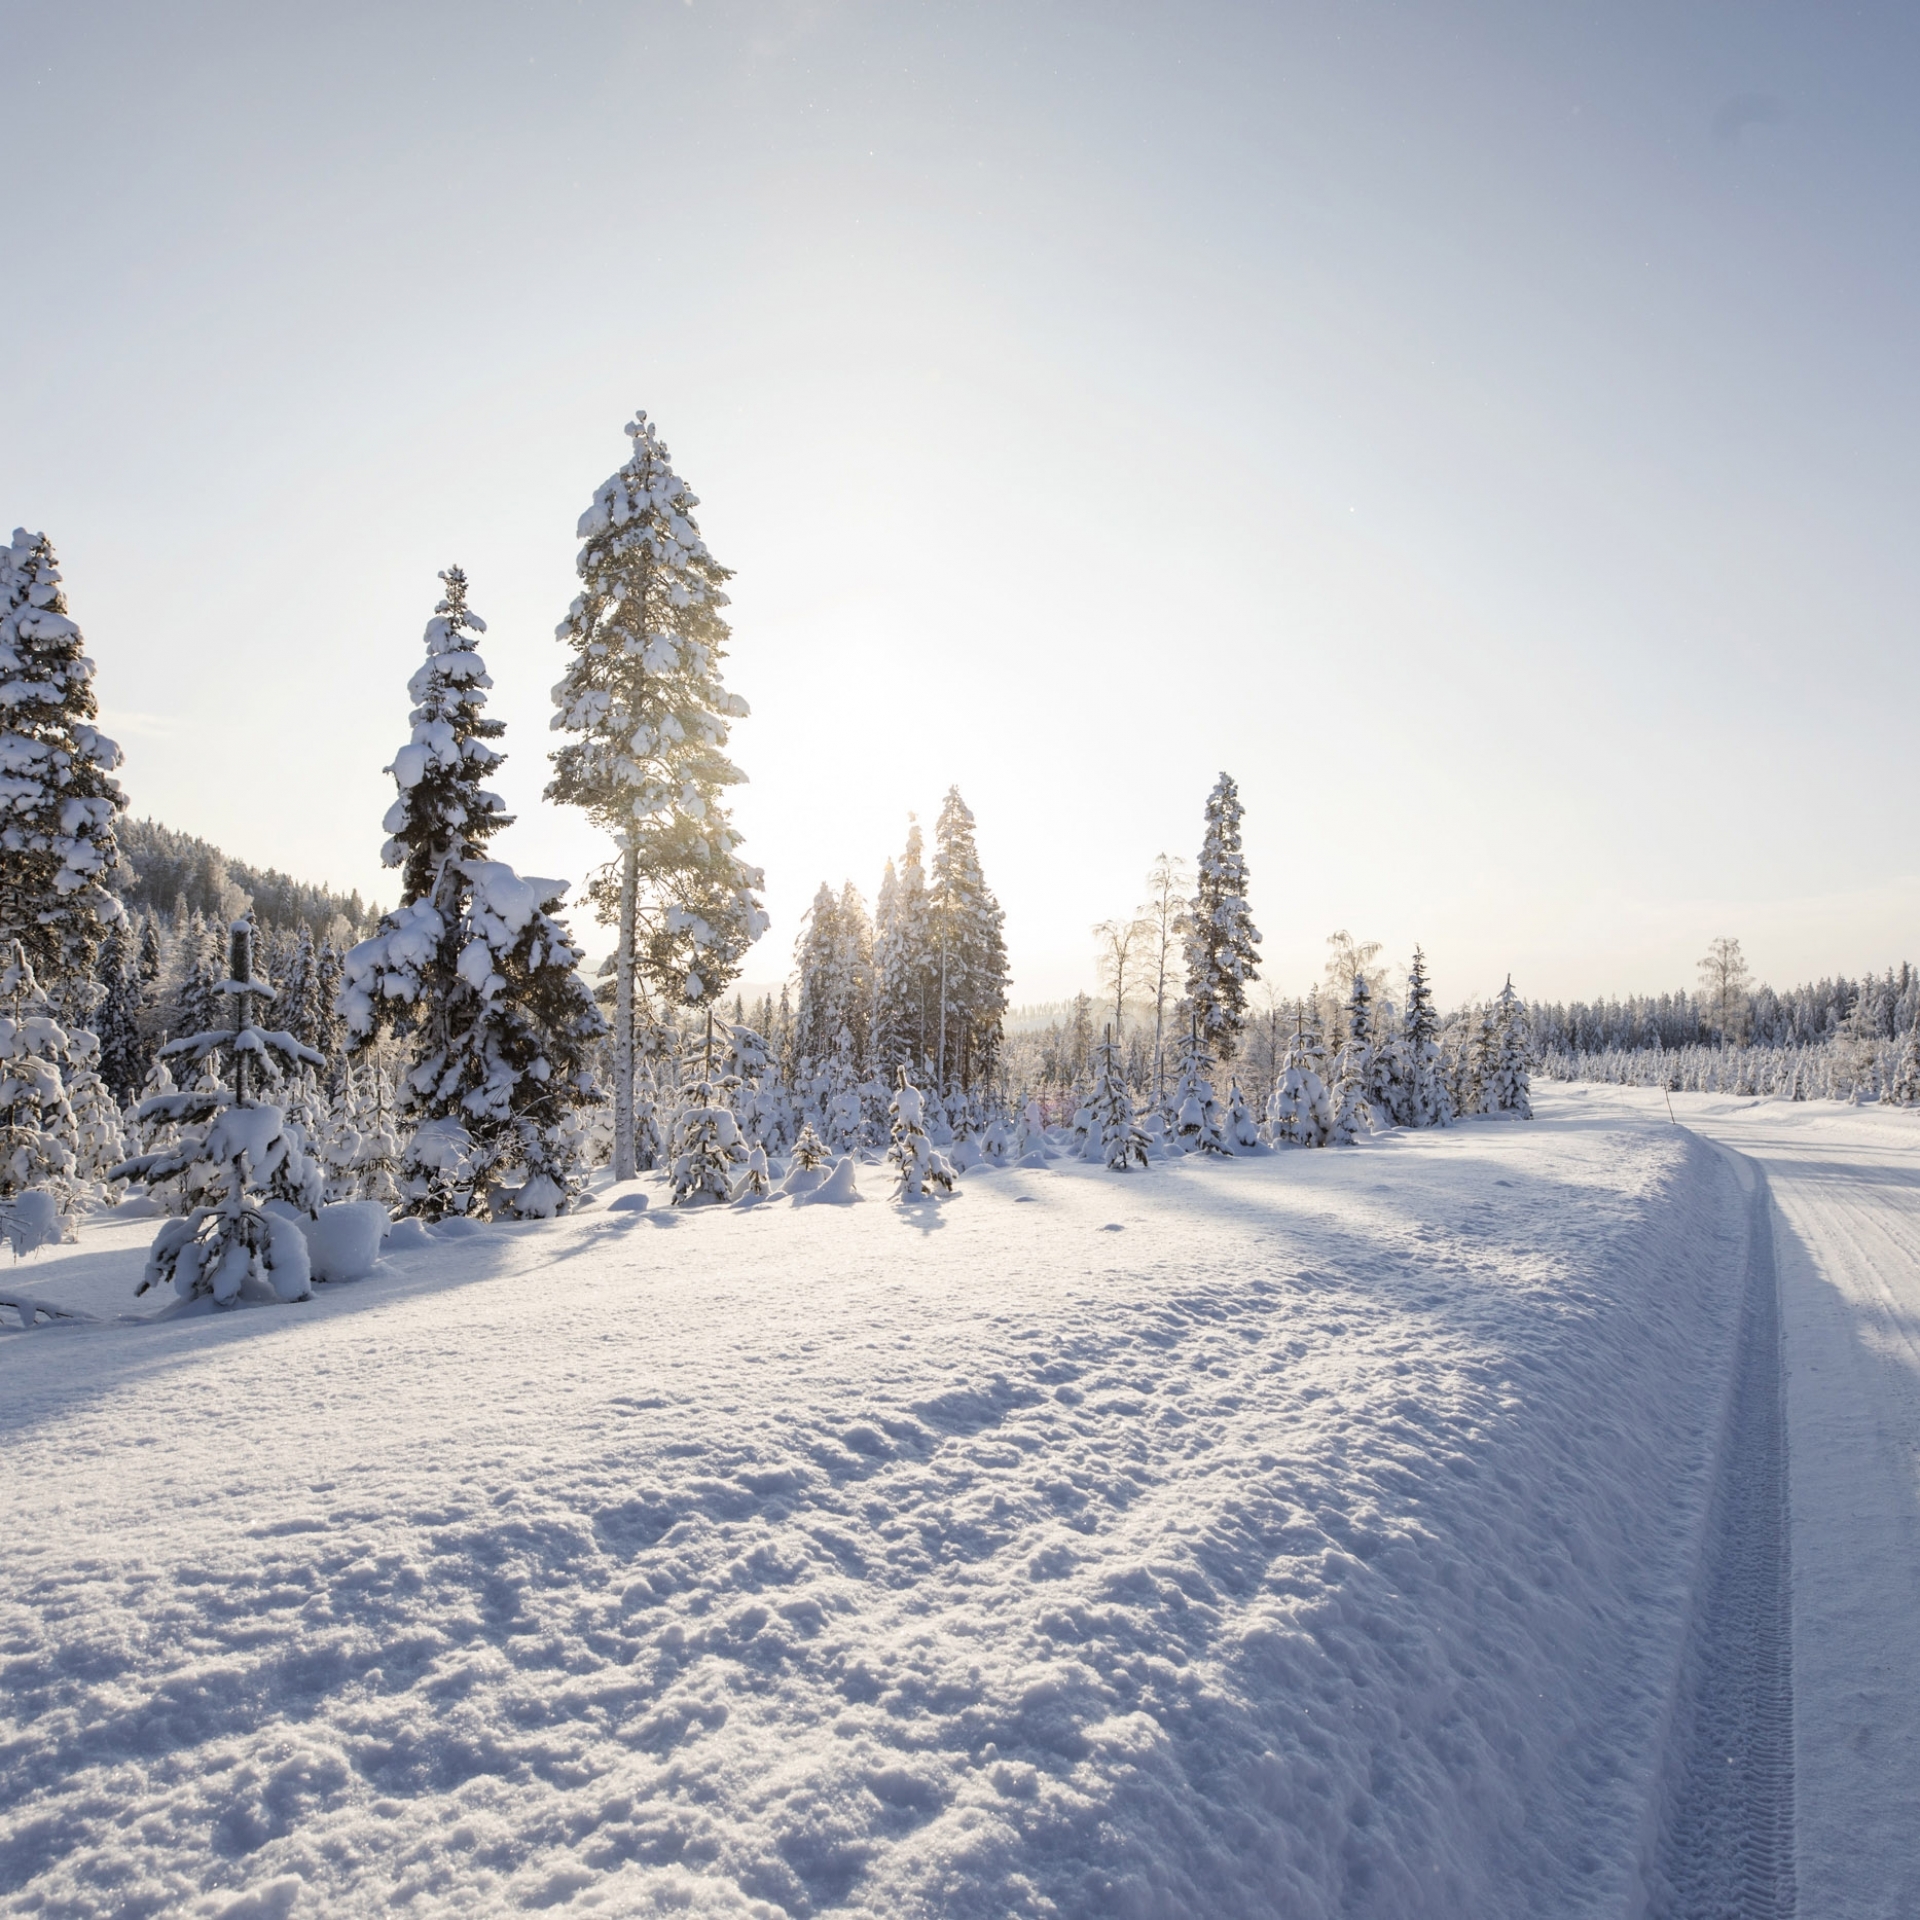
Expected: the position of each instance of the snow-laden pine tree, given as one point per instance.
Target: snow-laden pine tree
(38, 1143)
(1123, 1145)
(233, 1154)
(918, 1166)
(1508, 1083)
(1241, 1128)
(1353, 1111)
(1427, 1104)
(116, 1017)
(99, 1127)
(905, 965)
(1300, 1113)
(1476, 1047)
(473, 970)
(649, 715)
(809, 1150)
(967, 954)
(708, 1151)
(1221, 940)
(1903, 1084)
(1198, 1124)
(58, 797)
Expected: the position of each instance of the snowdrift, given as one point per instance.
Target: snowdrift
(1307, 1535)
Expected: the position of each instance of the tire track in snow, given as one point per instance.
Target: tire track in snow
(1725, 1847)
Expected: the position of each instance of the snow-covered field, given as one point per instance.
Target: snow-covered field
(1326, 1533)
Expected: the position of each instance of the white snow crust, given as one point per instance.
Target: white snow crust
(1310, 1534)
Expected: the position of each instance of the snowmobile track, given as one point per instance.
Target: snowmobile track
(1725, 1847)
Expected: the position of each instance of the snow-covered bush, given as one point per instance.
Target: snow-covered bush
(29, 1221)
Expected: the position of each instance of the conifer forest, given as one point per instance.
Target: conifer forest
(449, 1059)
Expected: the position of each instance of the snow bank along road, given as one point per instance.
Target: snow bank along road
(1361, 1533)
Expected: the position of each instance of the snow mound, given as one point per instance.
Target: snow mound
(838, 1189)
(627, 1203)
(344, 1241)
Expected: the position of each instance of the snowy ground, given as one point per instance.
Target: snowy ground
(1336, 1533)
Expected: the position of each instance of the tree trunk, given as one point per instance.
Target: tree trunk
(623, 1154)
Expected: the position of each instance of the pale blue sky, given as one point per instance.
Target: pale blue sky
(1489, 431)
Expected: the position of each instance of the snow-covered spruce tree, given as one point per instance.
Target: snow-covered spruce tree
(1353, 1110)
(809, 1150)
(833, 958)
(1242, 1130)
(967, 956)
(37, 1134)
(906, 966)
(473, 970)
(58, 797)
(1903, 1085)
(1197, 1119)
(758, 1102)
(124, 1053)
(708, 1152)
(234, 1154)
(917, 1165)
(1221, 940)
(99, 1130)
(1427, 1104)
(1122, 1144)
(1477, 1047)
(1300, 1114)
(649, 715)
(1508, 1084)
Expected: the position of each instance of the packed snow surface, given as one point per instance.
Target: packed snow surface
(1309, 1534)
(1844, 1184)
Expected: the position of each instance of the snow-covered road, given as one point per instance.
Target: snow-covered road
(1845, 1186)
(1339, 1533)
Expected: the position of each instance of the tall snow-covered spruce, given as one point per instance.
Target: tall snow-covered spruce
(649, 715)
(1222, 941)
(473, 969)
(58, 797)
(967, 957)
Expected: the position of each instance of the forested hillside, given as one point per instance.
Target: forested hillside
(169, 872)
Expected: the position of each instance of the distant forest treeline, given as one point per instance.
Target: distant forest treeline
(171, 873)
(1806, 1016)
